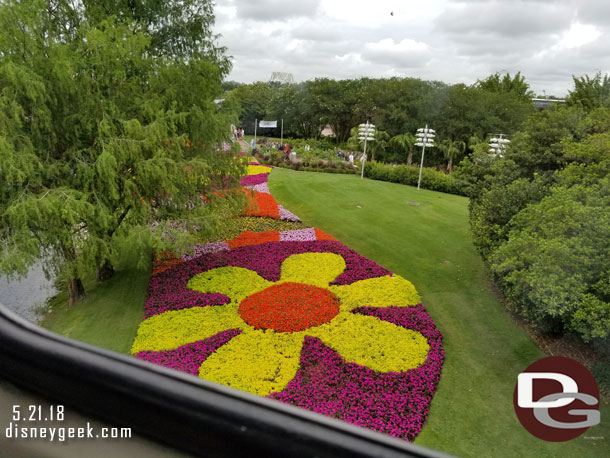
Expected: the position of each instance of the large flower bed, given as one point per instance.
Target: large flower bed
(299, 317)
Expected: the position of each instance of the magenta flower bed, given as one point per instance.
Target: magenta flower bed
(393, 403)
(189, 357)
(251, 180)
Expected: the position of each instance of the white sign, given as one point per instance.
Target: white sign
(267, 124)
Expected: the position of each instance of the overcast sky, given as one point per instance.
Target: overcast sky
(448, 40)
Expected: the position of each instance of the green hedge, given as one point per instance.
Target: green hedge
(601, 372)
(406, 174)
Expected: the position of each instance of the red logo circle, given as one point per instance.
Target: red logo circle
(556, 399)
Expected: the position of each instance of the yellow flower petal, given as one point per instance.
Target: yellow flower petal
(371, 342)
(235, 282)
(180, 327)
(256, 361)
(317, 269)
(376, 292)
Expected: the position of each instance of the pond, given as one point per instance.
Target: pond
(27, 296)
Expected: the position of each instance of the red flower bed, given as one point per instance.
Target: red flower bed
(262, 205)
(321, 235)
(167, 260)
(289, 307)
(254, 238)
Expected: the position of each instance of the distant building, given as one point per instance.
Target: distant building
(541, 104)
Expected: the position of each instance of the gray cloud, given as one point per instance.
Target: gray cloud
(461, 41)
(506, 19)
(270, 10)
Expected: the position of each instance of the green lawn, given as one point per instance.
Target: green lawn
(108, 317)
(424, 236)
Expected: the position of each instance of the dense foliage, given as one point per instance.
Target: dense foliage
(397, 106)
(540, 215)
(100, 133)
(406, 174)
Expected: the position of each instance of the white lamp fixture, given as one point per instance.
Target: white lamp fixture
(425, 137)
(366, 133)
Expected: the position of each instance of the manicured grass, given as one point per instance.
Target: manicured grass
(108, 317)
(424, 236)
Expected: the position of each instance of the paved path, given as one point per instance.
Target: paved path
(244, 146)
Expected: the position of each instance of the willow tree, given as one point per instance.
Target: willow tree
(101, 139)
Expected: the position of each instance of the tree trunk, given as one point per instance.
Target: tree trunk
(450, 165)
(410, 158)
(76, 291)
(104, 271)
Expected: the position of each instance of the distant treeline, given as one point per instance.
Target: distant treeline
(395, 105)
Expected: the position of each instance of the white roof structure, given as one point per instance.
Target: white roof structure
(280, 77)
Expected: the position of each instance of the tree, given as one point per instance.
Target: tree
(406, 142)
(515, 86)
(452, 149)
(253, 100)
(178, 29)
(292, 103)
(379, 145)
(103, 140)
(590, 93)
(333, 103)
(555, 264)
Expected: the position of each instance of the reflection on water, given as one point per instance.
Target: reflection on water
(27, 296)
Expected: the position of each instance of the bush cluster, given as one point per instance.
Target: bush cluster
(406, 174)
(310, 162)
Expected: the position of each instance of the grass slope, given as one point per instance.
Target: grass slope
(108, 317)
(424, 236)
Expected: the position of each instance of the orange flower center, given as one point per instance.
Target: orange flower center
(289, 307)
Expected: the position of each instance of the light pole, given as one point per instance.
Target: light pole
(366, 132)
(498, 145)
(425, 137)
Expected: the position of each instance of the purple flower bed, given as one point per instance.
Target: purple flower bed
(298, 235)
(262, 187)
(189, 357)
(213, 247)
(287, 215)
(395, 403)
(161, 302)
